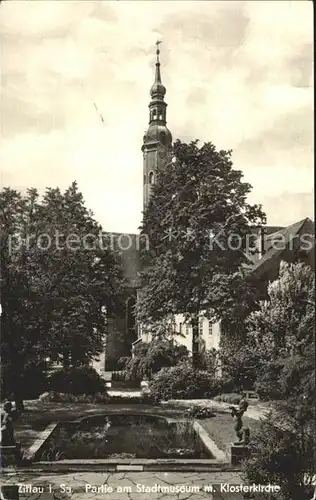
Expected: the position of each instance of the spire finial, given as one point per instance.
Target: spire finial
(158, 90)
(157, 50)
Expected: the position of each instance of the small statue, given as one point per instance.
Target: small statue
(7, 436)
(242, 433)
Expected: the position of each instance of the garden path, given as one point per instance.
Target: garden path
(130, 486)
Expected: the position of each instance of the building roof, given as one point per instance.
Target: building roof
(278, 243)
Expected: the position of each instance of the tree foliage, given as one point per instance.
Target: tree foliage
(281, 332)
(282, 336)
(183, 382)
(56, 275)
(150, 357)
(197, 223)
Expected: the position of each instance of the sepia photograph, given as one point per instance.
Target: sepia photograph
(157, 273)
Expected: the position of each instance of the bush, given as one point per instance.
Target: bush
(79, 380)
(240, 364)
(150, 357)
(60, 397)
(144, 399)
(182, 382)
(281, 457)
(32, 382)
(99, 397)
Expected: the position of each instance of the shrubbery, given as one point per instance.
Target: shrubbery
(79, 380)
(32, 381)
(182, 382)
(98, 397)
(267, 385)
(282, 331)
(282, 457)
(60, 397)
(150, 357)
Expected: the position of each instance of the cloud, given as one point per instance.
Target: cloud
(286, 142)
(292, 206)
(238, 74)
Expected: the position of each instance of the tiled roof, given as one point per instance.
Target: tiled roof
(258, 231)
(272, 255)
(128, 247)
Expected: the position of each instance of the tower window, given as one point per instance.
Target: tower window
(151, 178)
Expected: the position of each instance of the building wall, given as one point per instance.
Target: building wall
(149, 170)
(209, 333)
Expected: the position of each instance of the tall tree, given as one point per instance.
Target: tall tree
(281, 335)
(58, 273)
(198, 226)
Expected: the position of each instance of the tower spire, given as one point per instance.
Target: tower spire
(157, 74)
(157, 139)
(158, 90)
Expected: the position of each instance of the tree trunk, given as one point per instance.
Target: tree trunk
(195, 342)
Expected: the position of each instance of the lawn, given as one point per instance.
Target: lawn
(221, 429)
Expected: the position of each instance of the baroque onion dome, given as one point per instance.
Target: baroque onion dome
(157, 130)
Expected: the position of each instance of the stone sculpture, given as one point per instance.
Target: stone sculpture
(242, 433)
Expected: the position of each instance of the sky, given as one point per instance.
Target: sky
(238, 74)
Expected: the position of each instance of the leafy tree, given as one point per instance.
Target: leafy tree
(239, 364)
(281, 334)
(57, 275)
(197, 222)
(16, 345)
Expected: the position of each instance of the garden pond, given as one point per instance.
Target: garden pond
(124, 436)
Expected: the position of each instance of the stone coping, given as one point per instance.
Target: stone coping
(133, 465)
(218, 454)
(31, 452)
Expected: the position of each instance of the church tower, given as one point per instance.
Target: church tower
(158, 139)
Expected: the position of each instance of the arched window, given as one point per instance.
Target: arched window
(151, 178)
(162, 137)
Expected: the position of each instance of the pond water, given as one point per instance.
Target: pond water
(124, 436)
